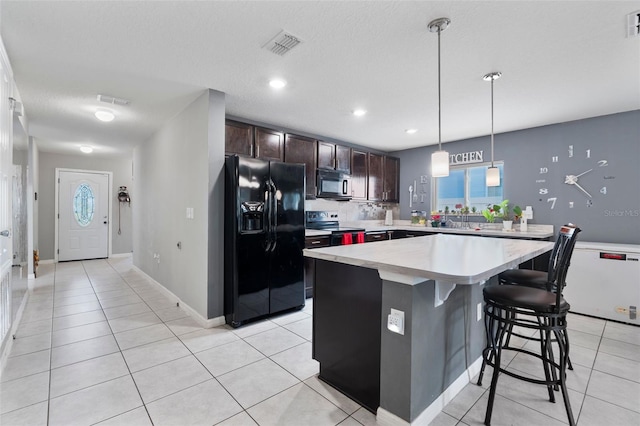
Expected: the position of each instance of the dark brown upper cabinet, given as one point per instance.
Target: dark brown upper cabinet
(326, 155)
(383, 178)
(391, 174)
(343, 159)
(238, 138)
(301, 150)
(334, 157)
(269, 144)
(375, 184)
(359, 172)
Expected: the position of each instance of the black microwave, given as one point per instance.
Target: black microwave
(334, 185)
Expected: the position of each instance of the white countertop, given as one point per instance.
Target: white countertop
(315, 232)
(533, 231)
(492, 230)
(452, 258)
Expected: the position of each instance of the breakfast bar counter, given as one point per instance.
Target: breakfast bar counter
(436, 283)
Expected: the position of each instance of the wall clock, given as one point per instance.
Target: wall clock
(578, 178)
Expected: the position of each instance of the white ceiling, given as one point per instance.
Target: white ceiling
(560, 61)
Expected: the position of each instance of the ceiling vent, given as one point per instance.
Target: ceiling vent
(282, 43)
(113, 100)
(633, 24)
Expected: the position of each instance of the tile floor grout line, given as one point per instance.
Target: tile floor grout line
(591, 371)
(125, 362)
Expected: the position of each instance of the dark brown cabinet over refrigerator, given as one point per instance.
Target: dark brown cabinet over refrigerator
(264, 238)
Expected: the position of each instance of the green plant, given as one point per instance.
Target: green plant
(501, 211)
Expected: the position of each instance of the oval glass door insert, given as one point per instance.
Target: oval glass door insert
(84, 204)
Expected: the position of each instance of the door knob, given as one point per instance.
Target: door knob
(5, 233)
(105, 222)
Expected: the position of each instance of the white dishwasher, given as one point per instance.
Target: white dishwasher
(604, 281)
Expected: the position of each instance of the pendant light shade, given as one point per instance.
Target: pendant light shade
(440, 158)
(493, 173)
(493, 176)
(440, 164)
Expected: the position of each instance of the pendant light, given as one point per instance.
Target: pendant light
(493, 173)
(440, 158)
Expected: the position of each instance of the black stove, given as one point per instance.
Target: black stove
(328, 221)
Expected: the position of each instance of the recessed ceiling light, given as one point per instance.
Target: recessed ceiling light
(277, 83)
(104, 115)
(359, 112)
(86, 149)
(411, 131)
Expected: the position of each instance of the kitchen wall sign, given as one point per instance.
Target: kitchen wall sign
(466, 157)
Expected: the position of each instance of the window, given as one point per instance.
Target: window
(83, 205)
(466, 185)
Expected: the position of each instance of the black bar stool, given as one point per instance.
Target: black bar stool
(540, 309)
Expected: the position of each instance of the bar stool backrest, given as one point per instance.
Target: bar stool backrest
(561, 258)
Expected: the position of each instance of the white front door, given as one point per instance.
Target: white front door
(6, 183)
(83, 205)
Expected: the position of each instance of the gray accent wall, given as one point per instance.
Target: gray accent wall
(612, 218)
(172, 173)
(121, 168)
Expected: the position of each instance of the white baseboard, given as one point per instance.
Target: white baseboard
(387, 418)
(204, 322)
(46, 262)
(117, 255)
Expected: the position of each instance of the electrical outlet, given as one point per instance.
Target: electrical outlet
(395, 321)
(479, 312)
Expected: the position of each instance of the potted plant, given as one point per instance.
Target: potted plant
(503, 212)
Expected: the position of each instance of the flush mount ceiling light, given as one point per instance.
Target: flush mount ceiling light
(493, 173)
(359, 112)
(86, 149)
(105, 115)
(440, 158)
(411, 131)
(277, 83)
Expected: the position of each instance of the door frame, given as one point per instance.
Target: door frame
(57, 211)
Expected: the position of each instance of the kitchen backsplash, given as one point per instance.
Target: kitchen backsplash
(354, 210)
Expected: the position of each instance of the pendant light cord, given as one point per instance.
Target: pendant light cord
(492, 80)
(439, 96)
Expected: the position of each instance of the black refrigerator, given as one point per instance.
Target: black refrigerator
(264, 238)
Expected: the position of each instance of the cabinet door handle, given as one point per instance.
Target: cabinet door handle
(257, 151)
(251, 150)
(316, 242)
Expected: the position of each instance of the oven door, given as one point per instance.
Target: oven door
(334, 185)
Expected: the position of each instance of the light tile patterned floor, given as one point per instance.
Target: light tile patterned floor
(98, 344)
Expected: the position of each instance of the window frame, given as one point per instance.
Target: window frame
(465, 167)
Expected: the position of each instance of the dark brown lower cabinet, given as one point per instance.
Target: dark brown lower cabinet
(310, 264)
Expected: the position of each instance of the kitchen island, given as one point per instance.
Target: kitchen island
(436, 282)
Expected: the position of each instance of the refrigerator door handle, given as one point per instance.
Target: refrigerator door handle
(274, 216)
(267, 204)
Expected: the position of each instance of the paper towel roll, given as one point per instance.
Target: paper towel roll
(388, 220)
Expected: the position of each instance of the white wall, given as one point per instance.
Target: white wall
(122, 175)
(171, 173)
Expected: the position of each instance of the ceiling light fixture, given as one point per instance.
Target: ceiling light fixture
(411, 131)
(86, 149)
(277, 83)
(105, 115)
(440, 158)
(359, 112)
(493, 173)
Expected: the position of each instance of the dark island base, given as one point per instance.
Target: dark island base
(346, 334)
